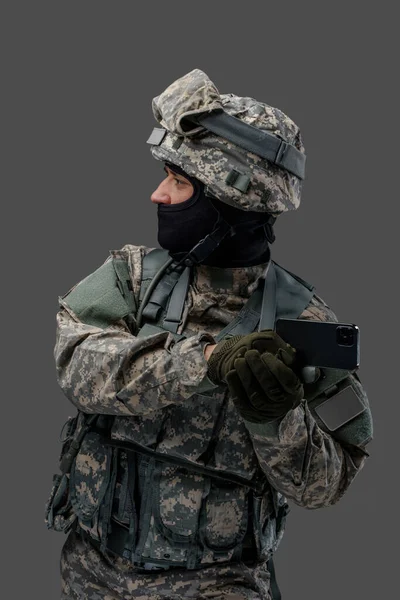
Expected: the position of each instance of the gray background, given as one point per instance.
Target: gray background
(77, 84)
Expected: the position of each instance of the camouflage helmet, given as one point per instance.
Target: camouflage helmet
(247, 153)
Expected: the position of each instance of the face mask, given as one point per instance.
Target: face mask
(181, 226)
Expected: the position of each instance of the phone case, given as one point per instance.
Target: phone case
(322, 344)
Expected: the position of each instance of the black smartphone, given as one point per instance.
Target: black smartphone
(322, 344)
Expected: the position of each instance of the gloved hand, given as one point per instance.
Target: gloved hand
(228, 350)
(263, 386)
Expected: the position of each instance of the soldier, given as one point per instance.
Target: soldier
(194, 427)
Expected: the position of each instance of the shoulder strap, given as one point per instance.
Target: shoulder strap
(247, 319)
(274, 589)
(176, 304)
(152, 262)
(281, 295)
(170, 292)
(293, 294)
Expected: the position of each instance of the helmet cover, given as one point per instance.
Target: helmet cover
(212, 158)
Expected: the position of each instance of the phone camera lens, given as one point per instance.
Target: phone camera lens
(345, 336)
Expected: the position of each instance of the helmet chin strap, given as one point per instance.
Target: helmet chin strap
(222, 229)
(269, 229)
(205, 247)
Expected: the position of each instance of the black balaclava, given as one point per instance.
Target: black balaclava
(181, 226)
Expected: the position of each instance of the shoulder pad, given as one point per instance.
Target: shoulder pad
(103, 297)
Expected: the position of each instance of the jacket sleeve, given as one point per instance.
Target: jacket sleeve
(111, 371)
(302, 460)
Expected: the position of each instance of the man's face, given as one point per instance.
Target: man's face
(173, 189)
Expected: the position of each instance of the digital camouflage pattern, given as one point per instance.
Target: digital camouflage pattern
(211, 158)
(89, 575)
(151, 386)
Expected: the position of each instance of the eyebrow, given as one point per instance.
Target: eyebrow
(175, 174)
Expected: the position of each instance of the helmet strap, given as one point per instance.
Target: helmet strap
(269, 230)
(205, 247)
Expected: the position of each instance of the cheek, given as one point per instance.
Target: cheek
(187, 192)
(181, 195)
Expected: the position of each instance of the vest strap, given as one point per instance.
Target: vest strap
(247, 319)
(181, 462)
(282, 295)
(275, 591)
(268, 307)
(177, 303)
(159, 298)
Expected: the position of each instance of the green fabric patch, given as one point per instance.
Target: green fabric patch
(357, 432)
(97, 299)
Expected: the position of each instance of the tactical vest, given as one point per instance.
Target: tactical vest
(93, 500)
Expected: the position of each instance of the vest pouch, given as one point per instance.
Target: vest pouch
(223, 522)
(176, 499)
(123, 497)
(90, 476)
(59, 515)
(281, 510)
(269, 519)
(71, 426)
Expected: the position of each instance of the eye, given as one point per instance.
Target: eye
(179, 181)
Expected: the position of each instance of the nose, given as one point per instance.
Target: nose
(160, 195)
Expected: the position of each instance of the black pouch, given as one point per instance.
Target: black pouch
(270, 511)
(68, 431)
(59, 515)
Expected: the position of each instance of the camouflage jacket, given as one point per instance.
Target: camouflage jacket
(154, 391)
